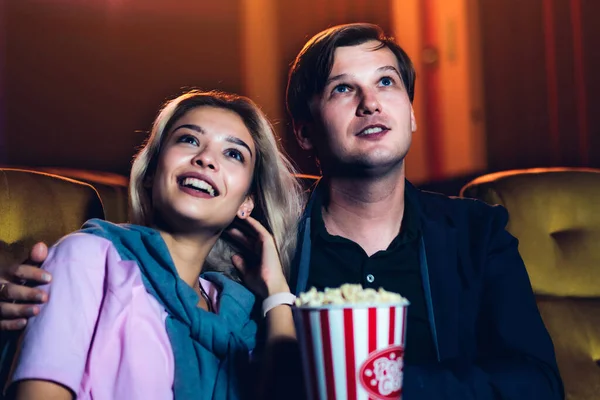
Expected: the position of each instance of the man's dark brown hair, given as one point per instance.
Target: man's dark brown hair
(313, 65)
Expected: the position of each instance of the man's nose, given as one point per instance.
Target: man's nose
(369, 103)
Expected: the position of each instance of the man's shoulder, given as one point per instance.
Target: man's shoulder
(460, 211)
(453, 202)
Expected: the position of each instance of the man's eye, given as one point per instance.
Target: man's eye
(386, 81)
(235, 154)
(188, 139)
(341, 89)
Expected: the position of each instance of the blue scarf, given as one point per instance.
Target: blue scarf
(210, 350)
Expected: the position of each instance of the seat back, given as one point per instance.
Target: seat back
(40, 207)
(112, 189)
(555, 215)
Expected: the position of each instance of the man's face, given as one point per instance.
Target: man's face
(363, 119)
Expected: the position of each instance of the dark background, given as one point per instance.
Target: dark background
(81, 81)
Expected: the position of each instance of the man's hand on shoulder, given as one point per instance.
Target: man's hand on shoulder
(18, 295)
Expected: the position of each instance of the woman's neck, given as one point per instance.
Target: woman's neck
(189, 251)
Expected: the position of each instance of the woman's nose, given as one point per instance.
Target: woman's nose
(205, 159)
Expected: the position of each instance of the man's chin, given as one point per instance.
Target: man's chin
(367, 167)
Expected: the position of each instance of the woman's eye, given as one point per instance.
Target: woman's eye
(235, 154)
(386, 81)
(188, 139)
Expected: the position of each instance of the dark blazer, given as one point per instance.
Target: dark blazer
(489, 337)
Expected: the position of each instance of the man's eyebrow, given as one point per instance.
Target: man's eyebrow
(335, 78)
(388, 68)
(380, 69)
(240, 142)
(230, 139)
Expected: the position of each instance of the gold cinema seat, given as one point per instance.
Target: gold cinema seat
(555, 215)
(37, 207)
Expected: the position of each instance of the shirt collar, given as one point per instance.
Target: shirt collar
(410, 229)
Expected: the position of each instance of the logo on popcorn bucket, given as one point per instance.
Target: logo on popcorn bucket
(381, 374)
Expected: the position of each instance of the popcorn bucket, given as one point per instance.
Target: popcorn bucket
(352, 352)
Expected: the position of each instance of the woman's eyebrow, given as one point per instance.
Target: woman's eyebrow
(240, 142)
(193, 127)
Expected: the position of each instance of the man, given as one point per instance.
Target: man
(474, 331)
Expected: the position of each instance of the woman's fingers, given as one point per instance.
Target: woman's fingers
(258, 227)
(240, 237)
(239, 263)
(244, 227)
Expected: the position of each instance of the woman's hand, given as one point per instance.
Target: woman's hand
(261, 270)
(259, 265)
(17, 301)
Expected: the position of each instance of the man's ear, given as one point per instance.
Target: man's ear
(148, 181)
(302, 132)
(413, 120)
(246, 208)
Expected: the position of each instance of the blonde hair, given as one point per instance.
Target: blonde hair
(277, 194)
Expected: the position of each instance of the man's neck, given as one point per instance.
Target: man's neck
(367, 211)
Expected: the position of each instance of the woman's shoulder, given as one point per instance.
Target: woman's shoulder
(80, 243)
(92, 243)
(107, 229)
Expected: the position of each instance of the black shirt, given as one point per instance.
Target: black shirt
(336, 260)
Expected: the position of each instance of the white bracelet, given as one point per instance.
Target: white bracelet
(276, 300)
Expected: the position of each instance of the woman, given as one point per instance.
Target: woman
(133, 310)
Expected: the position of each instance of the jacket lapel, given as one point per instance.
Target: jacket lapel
(301, 262)
(440, 249)
(441, 280)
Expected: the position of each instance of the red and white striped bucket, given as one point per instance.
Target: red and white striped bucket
(352, 352)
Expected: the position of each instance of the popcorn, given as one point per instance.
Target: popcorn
(348, 294)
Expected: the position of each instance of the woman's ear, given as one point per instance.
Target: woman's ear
(246, 208)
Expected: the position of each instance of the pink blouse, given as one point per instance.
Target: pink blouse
(101, 334)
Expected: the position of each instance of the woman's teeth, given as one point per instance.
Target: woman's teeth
(198, 184)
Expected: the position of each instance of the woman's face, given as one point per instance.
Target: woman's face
(204, 170)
